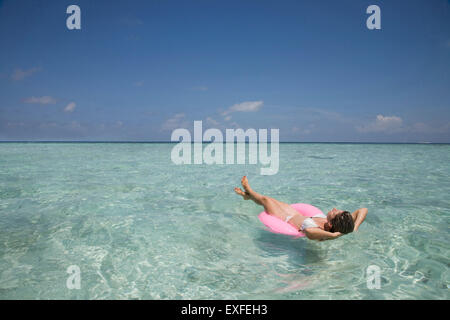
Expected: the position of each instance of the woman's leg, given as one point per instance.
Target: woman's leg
(271, 206)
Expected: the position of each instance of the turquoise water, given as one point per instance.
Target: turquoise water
(140, 227)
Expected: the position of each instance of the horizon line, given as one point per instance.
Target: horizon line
(162, 141)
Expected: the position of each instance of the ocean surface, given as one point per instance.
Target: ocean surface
(140, 227)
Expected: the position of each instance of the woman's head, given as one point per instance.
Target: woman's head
(340, 221)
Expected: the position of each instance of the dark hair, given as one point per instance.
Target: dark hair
(342, 222)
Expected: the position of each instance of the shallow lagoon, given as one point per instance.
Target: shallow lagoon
(140, 227)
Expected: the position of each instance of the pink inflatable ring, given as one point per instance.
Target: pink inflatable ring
(276, 225)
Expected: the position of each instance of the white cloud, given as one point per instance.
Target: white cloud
(138, 83)
(387, 124)
(70, 107)
(247, 106)
(15, 124)
(211, 122)
(177, 121)
(40, 100)
(20, 74)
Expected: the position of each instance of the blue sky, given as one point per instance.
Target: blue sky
(139, 69)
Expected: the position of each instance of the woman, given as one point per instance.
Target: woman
(319, 227)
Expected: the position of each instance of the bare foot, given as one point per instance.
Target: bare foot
(245, 184)
(241, 193)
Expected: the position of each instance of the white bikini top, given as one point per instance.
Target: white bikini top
(309, 223)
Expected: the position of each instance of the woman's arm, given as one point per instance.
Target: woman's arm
(320, 235)
(358, 217)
